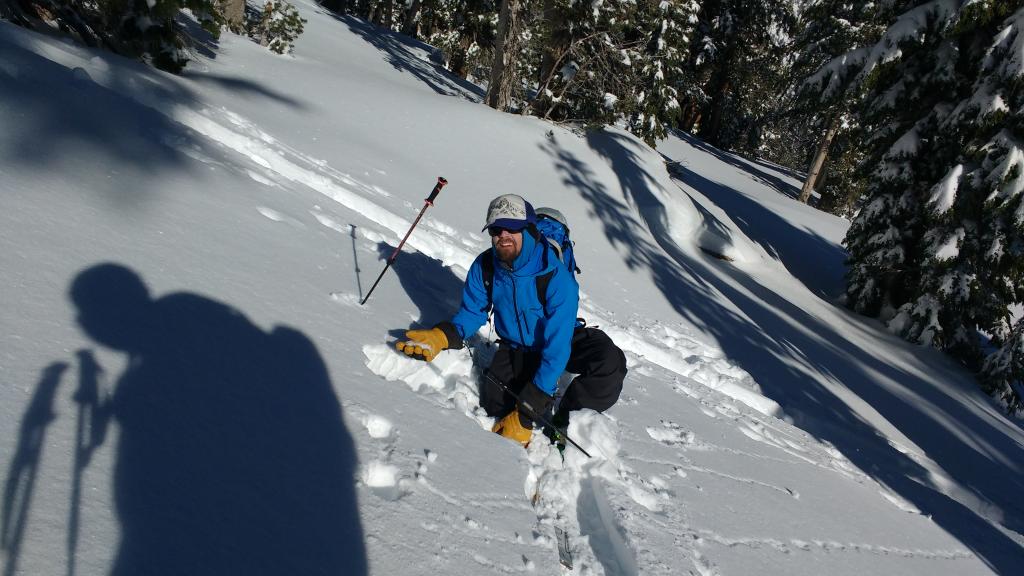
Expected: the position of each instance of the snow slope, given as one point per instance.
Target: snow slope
(190, 384)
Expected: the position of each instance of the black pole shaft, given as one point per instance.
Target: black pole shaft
(386, 266)
(539, 417)
(427, 202)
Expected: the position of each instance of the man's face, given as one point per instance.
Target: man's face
(507, 244)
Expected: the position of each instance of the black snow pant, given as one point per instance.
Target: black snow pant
(599, 363)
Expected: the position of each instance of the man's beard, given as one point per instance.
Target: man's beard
(506, 253)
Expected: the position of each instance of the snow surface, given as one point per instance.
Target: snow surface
(191, 385)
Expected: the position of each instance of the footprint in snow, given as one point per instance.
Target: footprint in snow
(378, 427)
(671, 434)
(383, 480)
(422, 468)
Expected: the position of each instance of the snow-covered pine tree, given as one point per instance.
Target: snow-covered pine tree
(821, 115)
(276, 26)
(938, 249)
(996, 105)
(1001, 374)
(464, 30)
(737, 45)
(590, 65)
(653, 106)
(149, 28)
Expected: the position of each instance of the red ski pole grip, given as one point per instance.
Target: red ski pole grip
(437, 190)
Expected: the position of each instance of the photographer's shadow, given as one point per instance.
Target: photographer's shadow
(232, 454)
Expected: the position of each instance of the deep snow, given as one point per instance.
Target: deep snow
(255, 418)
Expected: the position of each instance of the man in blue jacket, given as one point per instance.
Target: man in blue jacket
(534, 298)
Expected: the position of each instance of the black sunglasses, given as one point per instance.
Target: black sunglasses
(496, 231)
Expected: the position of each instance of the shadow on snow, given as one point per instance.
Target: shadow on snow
(400, 51)
(126, 122)
(232, 455)
(433, 288)
(815, 261)
(789, 352)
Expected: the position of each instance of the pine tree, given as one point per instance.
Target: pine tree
(277, 26)
(146, 29)
(150, 28)
(1001, 374)
(664, 28)
(737, 49)
(829, 29)
(939, 248)
(464, 30)
(590, 66)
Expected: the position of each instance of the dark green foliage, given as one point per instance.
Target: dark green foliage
(738, 57)
(816, 98)
(663, 34)
(276, 26)
(464, 30)
(135, 28)
(148, 28)
(938, 248)
(1001, 371)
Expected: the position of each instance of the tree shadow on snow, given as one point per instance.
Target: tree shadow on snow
(750, 167)
(789, 352)
(401, 53)
(244, 88)
(232, 454)
(124, 120)
(816, 262)
(62, 110)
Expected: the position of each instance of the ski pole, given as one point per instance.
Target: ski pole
(427, 202)
(543, 420)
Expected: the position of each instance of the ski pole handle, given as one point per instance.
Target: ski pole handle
(427, 202)
(437, 190)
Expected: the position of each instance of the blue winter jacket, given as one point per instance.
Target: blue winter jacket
(519, 317)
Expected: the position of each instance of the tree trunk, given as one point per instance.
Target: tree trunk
(388, 13)
(690, 117)
(458, 64)
(409, 26)
(234, 14)
(557, 43)
(374, 15)
(713, 133)
(819, 159)
(363, 9)
(503, 76)
(720, 87)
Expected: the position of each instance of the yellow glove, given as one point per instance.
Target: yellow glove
(423, 344)
(512, 428)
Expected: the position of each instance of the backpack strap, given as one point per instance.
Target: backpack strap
(544, 279)
(487, 267)
(554, 244)
(542, 287)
